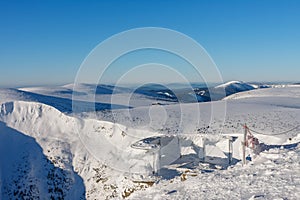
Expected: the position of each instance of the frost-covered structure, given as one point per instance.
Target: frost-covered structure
(162, 151)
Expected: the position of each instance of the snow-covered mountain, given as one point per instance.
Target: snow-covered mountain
(48, 152)
(233, 87)
(221, 91)
(149, 93)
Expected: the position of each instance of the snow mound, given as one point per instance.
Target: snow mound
(236, 86)
(35, 119)
(288, 92)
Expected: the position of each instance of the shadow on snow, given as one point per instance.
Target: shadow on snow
(25, 172)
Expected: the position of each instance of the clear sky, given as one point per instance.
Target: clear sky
(44, 42)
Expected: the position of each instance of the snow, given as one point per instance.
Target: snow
(90, 155)
(103, 94)
(166, 93)
(229, 83)
(237, 86)
(267, 177)
(57, 135)
(289, 92)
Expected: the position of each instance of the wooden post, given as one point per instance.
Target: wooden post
(244, 144)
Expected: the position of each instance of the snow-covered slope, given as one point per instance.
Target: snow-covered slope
(101, 94)
(26, 173)
(233, 87)
(64, 105)
(290, 91)
(62, 156)
(143, 95)
(268, 110)
(272, 175)
(83, 157)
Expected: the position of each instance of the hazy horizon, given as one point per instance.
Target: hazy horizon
(140, 84)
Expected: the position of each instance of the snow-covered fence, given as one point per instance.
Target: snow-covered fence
(161, 151)
(249, 141)
(256, 145)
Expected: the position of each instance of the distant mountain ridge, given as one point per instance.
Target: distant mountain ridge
(154, 92)
(233, 87)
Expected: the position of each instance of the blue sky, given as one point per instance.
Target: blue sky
(45, 42)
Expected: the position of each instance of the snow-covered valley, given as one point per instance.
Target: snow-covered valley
(47, 151)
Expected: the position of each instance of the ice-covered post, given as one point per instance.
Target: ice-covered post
(230, 140)
(244, 144)
(158, 157)
(156, 161)
(204, 144)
